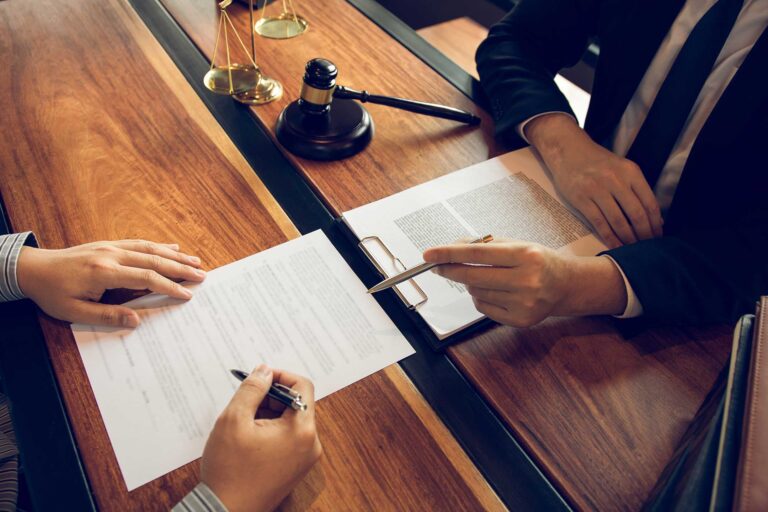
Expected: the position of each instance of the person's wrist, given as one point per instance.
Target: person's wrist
(234, 498)
(222, 493)
(567, 273)
(559, 140)
(592, 286)
(28, 269)
(551, 132)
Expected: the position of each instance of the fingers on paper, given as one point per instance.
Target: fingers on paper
(635, 212)
(93, 313)
(147, 279)
(169, 251)
(600, 224)
(616, 218)
(162, 265)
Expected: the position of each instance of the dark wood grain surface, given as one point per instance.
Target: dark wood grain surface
(599, 411)
(102, 138)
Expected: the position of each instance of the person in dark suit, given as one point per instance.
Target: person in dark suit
(670, 168)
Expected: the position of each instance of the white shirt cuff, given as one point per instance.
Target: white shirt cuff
(634, 308)
(521, 126)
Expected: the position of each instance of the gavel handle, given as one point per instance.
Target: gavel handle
(419, 107)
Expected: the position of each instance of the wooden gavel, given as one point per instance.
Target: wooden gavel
(319, 88)
(328, 122)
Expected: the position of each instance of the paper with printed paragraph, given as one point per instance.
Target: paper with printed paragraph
(297, 306)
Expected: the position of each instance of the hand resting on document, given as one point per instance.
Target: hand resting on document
(521, 283)
(252, 464)
(68, 283)
(610, 191)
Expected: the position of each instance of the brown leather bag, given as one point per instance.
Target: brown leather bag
(751, 493)
(718, 465)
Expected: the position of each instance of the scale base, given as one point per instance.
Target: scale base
(344, 131)
(266, 90)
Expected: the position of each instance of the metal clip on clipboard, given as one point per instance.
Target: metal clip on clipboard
(392, 267)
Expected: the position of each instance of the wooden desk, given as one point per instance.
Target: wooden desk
(103, 138)
(123, 150)
(600, 413)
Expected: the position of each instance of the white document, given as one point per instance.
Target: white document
(297, 306)
(510, 196)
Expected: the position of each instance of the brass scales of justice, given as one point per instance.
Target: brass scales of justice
(245, 82)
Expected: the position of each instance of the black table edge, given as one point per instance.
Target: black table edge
(50, 460)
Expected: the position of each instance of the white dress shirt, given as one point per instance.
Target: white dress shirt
(750, 24)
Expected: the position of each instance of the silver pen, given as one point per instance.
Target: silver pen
(418, 269)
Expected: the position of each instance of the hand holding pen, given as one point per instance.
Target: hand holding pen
(417, 270)
(252, 462)
(279, 392)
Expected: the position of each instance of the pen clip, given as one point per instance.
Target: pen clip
(288, 391)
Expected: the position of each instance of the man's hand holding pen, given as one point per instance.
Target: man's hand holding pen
(248, 440)
(522, 283)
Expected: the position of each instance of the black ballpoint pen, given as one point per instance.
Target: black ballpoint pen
(279, 392)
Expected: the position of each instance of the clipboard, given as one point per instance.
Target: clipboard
(405, 294)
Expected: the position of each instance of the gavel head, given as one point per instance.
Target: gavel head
(310, 128)
(318, 86)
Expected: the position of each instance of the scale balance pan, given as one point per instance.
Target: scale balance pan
(245, 77)
(284, 26)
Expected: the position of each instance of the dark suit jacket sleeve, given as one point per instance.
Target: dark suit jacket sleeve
(699, 276)
(523, 52)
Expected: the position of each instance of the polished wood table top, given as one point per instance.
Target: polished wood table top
(600, 412)
(103, 138)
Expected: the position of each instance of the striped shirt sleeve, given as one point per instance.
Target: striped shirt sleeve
(9, 461)
(10, 247)
(200, 499)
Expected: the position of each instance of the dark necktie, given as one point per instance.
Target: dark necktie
(664, 123)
